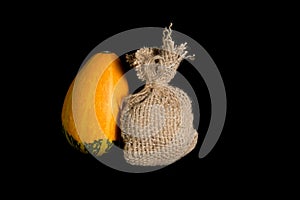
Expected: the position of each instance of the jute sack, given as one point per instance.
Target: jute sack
(157, 122)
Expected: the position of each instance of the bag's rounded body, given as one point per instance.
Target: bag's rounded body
(157, 126)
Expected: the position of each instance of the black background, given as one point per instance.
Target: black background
(56, 39)
(75, 39)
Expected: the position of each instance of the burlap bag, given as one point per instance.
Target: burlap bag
(157, 123)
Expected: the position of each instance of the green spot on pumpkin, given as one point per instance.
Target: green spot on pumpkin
(97, 148)
(77, 145)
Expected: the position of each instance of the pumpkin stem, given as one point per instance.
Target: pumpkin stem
(106, 52)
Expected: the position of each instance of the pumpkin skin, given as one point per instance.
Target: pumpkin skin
(92, 104)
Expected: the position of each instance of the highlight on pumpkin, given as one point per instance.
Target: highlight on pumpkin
(92, 104)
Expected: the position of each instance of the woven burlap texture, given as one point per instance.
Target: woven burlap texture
(157, 122)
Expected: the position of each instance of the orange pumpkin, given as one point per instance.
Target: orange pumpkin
(91, 106)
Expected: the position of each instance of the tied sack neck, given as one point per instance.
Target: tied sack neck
(157, 66)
